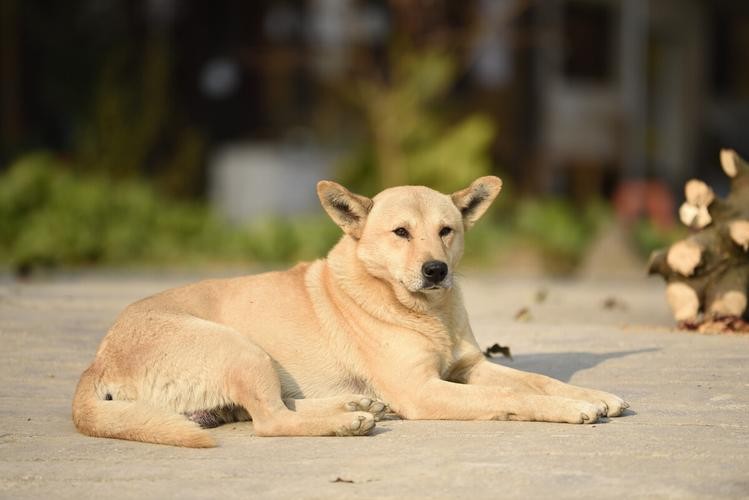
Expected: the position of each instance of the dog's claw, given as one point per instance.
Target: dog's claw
(605, 410)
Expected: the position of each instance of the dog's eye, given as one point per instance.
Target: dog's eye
(445, 231)
(402, 232)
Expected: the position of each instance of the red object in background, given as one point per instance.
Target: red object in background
(652, 199)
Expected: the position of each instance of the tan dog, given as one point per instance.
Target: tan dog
(311, 351)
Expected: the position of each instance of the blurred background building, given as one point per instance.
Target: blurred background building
(247, 103)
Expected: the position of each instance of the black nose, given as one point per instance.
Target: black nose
(434, 271)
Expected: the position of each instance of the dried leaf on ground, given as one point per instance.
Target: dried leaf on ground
(612, 303)
(490, 351)
(541, 295)
(523, 314)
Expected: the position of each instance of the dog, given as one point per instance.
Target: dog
(320, 349)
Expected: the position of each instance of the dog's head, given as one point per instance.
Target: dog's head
(409, 236)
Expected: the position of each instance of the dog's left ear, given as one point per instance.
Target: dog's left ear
(347, 209)
(476, 198)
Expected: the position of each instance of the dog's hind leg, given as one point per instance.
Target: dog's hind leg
(338, 404)
(253, 383)
(250, 380)
(198, 367)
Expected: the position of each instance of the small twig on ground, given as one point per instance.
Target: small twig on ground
(341, 480)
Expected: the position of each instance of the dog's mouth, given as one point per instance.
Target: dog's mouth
(433, 287)
(426, 287)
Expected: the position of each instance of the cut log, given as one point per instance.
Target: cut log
(694, 216)
(694, 212)
(739, 231)
(726, 296)
(698, 193)
(708, 272)
(684, 256)
(728, 161)
(685, 305)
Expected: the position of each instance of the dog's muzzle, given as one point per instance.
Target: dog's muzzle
(434, 273)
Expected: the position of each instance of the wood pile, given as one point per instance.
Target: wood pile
(707, 274)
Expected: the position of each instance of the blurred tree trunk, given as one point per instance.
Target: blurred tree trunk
(10, 98)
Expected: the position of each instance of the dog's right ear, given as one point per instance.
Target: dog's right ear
(347, 209)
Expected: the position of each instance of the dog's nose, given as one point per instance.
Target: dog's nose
(434, 271)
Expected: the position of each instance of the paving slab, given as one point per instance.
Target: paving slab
(686, 436)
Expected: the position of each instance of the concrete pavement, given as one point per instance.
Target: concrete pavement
(686, 436)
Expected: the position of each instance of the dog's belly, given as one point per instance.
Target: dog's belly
(312, 354)
(320, 379)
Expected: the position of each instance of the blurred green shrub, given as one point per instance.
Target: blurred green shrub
(292, 239)
(133, 124)
(50, 216)
(412, 140)
(648, 236)
(561, 230)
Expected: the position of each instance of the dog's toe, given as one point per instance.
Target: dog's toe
(356, 424)
(378, 409)
(359, 425)
(603, 409)
(589, 413)
(616, 407)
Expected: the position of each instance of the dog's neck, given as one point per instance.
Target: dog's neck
(374, 294)
(439, 317)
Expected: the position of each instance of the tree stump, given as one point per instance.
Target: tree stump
(707, 274)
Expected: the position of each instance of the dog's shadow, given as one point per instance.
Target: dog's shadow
(563, 365)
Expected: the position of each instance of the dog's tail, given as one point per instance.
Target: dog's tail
(132, 420)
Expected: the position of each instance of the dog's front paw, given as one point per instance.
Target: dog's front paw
(378, 409)
(566, 410)
(587, 413)
(610, 405)
(615, 405)
(357, 424)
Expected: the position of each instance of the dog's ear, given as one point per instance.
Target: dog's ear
(476, 198)
(347, 209)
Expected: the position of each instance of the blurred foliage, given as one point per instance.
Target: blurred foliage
(130, 116)
(410, 140)
(559, 229)
(126, 117)
(98, 210)
(649, 236)
(50, 216)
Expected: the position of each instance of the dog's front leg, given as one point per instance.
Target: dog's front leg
(436, 399)
(487, 373)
